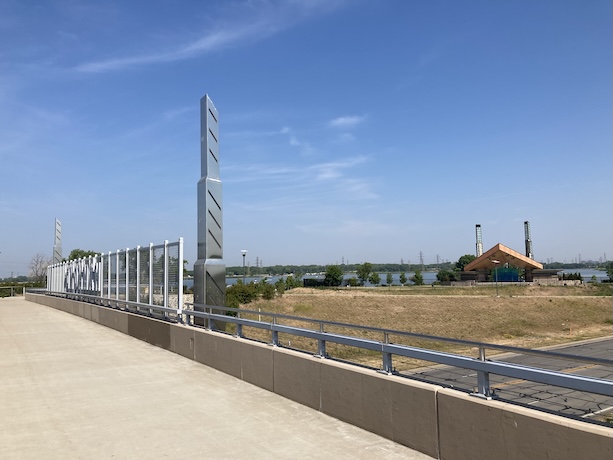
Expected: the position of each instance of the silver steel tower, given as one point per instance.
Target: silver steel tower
(479, 240)
(57, 245)
(209, 270)
(528, 240)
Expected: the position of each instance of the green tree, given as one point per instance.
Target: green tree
(334, 275)
(266, 290)
(363, 271)
(353, 281)
(610, 271)
(374, 278)
(417, 278)
(389, 279)
(403, 278)
(464, 261)
(445, 275)
(80, 253)
(240, 294)
(280, 286)
(291, 282)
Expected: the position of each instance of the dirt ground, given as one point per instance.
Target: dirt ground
(525, 316)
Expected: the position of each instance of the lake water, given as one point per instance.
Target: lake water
(429, 277)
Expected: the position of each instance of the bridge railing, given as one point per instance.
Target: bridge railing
(274, 324)
(146, 276)
(11, 291)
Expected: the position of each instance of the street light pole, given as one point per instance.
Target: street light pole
(244, 253)
(496, 274)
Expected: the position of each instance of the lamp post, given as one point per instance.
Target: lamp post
(497, 262)
(244, 253)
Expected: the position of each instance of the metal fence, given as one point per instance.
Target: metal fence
(559, 386)
(11, 291)
(148, 276)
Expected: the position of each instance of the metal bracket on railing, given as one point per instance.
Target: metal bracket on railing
(321, 343)
(274, 336)
(483, 380)
(239, 327)
(386, 357)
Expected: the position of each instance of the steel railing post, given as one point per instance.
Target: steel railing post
(274, 335)
(483, 379)
(321, 343)
(386, 357)
(180, 282)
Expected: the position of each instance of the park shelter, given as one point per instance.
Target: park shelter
(500, 257)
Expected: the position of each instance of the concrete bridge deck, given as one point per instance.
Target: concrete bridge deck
(70, 388)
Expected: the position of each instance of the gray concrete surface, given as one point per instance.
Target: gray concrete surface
(72, 389)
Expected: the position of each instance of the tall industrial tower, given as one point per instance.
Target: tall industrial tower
(209, 270)
(57, 245)
(528, 240)
(479, 240)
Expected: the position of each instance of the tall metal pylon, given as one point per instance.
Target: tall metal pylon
(57, 245)
(479, 240)
(528, 240)
(209, 269)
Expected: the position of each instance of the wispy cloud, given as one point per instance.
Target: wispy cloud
(245, 22)
(346, 122)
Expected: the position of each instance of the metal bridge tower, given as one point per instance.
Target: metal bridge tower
(528, 240)
(209, 270)
(57, 245)
(479, 240)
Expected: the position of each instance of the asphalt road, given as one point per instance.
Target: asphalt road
(536, 395)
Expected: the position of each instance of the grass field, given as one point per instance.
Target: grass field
(524, 316)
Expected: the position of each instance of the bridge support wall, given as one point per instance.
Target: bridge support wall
(440, 422)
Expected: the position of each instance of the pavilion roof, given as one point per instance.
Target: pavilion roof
(503, 255)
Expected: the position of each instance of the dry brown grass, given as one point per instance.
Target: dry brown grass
(522, 316)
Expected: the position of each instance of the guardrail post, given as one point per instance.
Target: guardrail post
(387, 357)
(274, 336)
(483, 379)
(239, 327)
(321, 343)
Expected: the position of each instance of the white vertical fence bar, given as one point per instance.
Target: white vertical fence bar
(127, 281)
(108, 275)
(117, 274)
(165, 278)
(150, 274)
(137, 274)
(180, 305)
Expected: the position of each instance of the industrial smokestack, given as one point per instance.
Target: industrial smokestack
(479, 241)
(528, 240)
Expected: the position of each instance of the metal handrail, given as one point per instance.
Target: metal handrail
(570, 381)
(482, 366)
(416, 335)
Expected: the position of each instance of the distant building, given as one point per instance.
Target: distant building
(511, 266)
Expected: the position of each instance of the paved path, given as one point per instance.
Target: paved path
(73, 389)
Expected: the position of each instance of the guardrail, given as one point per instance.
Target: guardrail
(208, 316)
(11, 290)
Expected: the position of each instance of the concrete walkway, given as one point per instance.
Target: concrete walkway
(73, 389)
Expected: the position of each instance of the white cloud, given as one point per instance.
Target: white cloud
(246, 22)
(346, 122)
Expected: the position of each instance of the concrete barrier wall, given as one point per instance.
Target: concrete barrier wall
(442, 423)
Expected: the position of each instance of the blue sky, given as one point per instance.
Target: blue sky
(356, 130)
